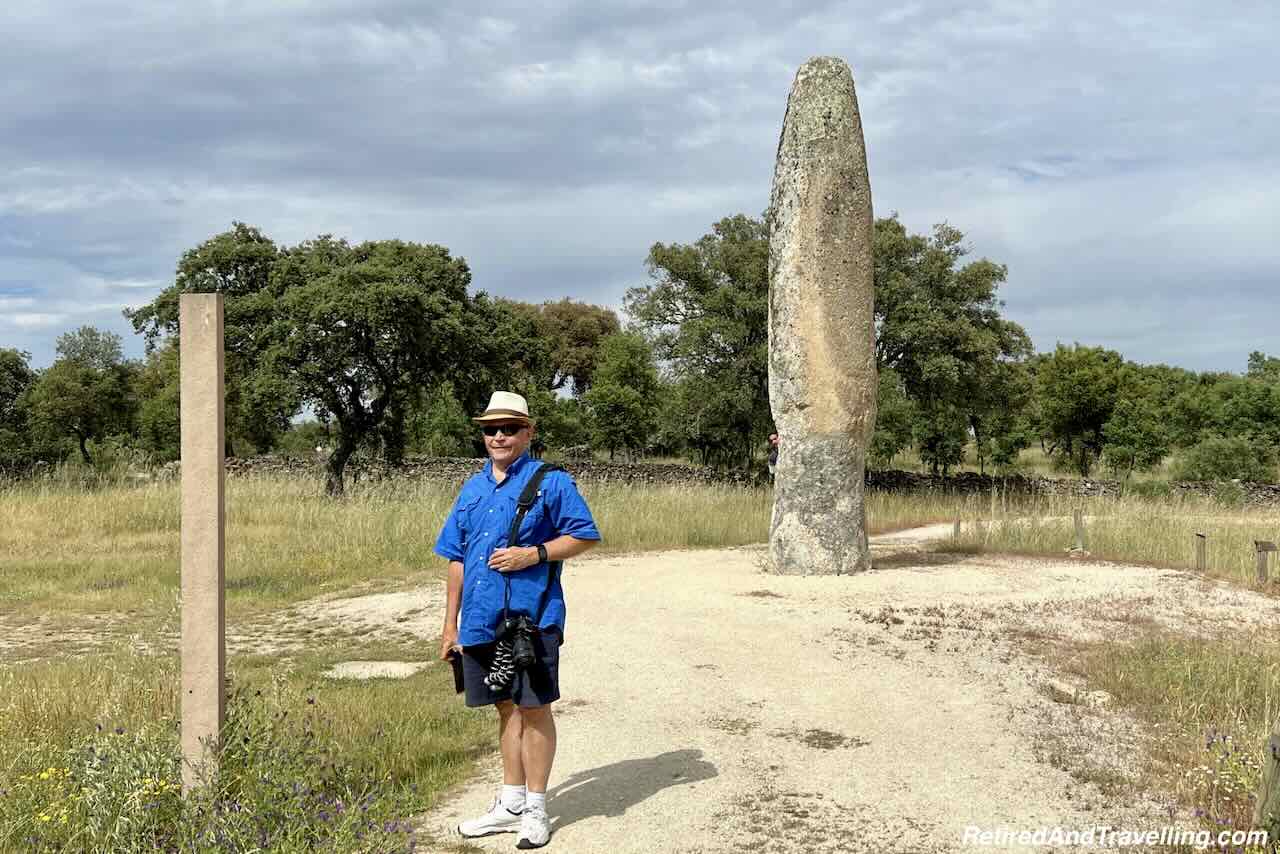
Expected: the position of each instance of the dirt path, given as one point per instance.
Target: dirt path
(709, 707)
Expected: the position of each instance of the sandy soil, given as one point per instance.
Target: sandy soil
(710, 707)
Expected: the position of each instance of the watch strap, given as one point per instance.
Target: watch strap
(542, 553)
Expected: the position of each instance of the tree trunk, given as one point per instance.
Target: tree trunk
(333, 485)
(84, 450)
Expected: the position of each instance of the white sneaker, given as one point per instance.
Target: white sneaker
(498, 819)
(535, 828)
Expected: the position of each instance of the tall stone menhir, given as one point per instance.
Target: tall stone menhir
(822, 369)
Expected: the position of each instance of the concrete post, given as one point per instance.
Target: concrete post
(1201, 562)
(203, 527)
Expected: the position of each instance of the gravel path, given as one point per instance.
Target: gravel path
(710, 707)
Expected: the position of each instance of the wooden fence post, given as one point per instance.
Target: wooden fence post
(1200, 555)
(1266, 808)
(1078, 516)
(1263, 548)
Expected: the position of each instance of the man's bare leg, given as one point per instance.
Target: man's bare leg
(538, 743)
(510, 731)
(505, 816)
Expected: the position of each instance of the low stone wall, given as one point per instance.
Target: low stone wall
(1249, 494)
(457, 469)
(967, 483)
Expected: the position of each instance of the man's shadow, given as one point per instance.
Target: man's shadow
(610, 789)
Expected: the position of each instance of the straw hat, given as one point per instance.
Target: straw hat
(505, 406)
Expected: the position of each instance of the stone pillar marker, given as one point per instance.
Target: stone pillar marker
(203, 525)
(822, 368)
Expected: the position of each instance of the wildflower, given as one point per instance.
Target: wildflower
(44, 816)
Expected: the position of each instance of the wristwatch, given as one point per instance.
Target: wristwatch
(542, 553)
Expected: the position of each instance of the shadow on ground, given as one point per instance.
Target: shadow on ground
(611, 789)
(907, 560)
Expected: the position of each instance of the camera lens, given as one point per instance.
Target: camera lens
(522, 649)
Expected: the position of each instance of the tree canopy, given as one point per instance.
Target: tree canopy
(706, 315)
(387, 351)
(348, 331)
(939, 328)
(16, 379)
(87, 394)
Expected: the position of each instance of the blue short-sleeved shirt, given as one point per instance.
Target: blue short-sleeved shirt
(480, 522)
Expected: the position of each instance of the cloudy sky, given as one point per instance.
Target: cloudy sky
(1121, 159)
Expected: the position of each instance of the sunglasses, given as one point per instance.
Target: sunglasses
(505, 429)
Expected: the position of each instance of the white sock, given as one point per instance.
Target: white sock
(513, 797)
(536, 800)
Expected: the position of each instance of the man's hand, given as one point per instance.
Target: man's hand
(447, 644)
(513, 559)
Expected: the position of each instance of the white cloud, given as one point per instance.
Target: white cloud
(34, 320)
(1112, 156)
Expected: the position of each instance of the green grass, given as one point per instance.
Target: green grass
(393, 745)
(1210, 704)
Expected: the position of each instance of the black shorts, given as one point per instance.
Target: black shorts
(536, 686)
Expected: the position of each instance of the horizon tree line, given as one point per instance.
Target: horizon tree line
(389, 350)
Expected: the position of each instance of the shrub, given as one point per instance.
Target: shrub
(1221, 458)
(280, 787)
(1229, 494)
(1149, 488)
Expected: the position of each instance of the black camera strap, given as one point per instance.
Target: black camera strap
(532, 489)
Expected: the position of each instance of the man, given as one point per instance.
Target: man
(484, 572)
(773, 455)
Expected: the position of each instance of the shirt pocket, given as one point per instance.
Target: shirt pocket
(534, 524)
(467, 524)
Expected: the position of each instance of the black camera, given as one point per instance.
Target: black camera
(519, 632)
